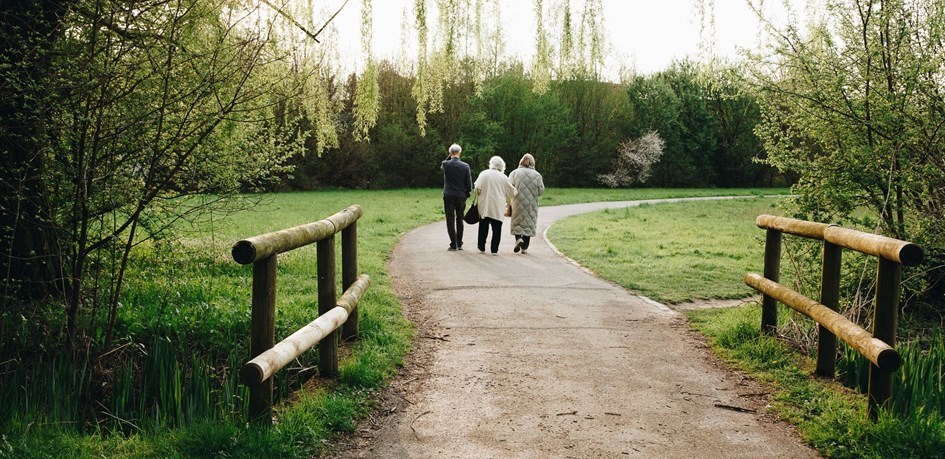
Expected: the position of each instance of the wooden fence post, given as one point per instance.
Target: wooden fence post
(328, 347)
(830, 297)
(769, 306)
(885, 321)
(349, 274)
(262, 334)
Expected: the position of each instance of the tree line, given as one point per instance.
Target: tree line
(574, 129)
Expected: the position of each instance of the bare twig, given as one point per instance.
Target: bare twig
(117, 349)
(735, 408)
(123, 421)
(415, 420)
(694, 393)
(314, 36)
(441, 338)
(329, 20)
(409, 402)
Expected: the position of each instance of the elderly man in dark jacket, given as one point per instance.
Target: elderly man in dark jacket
(457, 184)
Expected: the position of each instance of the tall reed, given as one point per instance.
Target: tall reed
(48, 391)
(167, 385)
(917, 385)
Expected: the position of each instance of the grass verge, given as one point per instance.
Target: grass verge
(829, 416)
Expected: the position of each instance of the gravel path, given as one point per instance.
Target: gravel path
(533, 356)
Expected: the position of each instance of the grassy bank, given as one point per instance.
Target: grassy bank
(169, 387)
(689, 251)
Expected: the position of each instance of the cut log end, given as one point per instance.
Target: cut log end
(244, 252)
(889, 360)
(911, 255)
(251, 374)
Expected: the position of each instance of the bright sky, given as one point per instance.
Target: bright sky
(646, 35)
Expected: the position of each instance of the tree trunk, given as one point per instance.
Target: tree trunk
(32, 256)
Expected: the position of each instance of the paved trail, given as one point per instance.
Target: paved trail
(532, 356)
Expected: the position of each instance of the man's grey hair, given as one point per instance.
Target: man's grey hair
(497, 163)
(455, 149)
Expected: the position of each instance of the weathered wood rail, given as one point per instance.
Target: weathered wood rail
(333, 312)
(878, 347)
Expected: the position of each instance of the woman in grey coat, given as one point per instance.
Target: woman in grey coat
(530, 186)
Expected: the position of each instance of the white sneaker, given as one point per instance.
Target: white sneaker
(524, 251)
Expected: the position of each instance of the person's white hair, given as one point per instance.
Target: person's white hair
(455, 149)
(497, 163)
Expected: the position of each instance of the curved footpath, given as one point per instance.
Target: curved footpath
(533, 356)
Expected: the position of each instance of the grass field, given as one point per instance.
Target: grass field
(672, 253)
(829, 416)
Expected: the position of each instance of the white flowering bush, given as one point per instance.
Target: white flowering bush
(635, 159)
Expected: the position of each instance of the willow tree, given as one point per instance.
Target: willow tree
(367, 92)
(591, 45)
(491, 43)
(453, 45)
(541, 61)
(420, 87)
(706, 12)
(479, 49)
(579, 35)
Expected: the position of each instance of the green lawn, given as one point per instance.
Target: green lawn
(672, 253)
(829, 416)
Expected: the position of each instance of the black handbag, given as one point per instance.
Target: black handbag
(472, 215)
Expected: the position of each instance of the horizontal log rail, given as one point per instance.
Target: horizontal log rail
(259, 247)
(876, 351)
(810, 230)
(902, 252)
(333, 312)
(878, 347)
(268, 363)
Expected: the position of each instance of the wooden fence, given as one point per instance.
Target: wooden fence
(333, 312)
(878, 348)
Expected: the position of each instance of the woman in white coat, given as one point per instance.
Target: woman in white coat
(530, 186)
(494, 190)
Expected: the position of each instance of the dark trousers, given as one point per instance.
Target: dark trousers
(484, 225)
(525, 240)
(454, 206)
